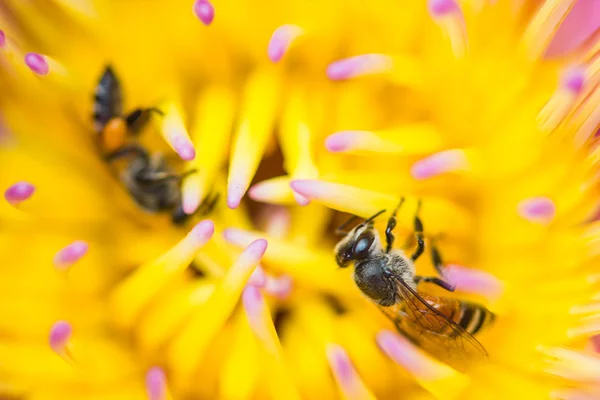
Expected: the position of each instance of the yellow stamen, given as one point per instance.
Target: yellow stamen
(437, 378)
(175, 133)
(544, 25)
(273, 191)
(254, 130)
(587, 118)
(134, 293)
(296, 140)
(571, 364)
(259, 318)
(238, 375)
(186, 351)
(351, 385)
(438, 214)
(210, 135)
(316, 268)
(407, 139)
(167, 315)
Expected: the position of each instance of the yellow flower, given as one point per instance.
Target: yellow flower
(486, 111)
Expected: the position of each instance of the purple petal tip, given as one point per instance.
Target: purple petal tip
(19, 192)
(156, 383)
(37, 63)
(205, 11)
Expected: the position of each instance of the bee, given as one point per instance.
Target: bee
(444, 327)
(148, 178)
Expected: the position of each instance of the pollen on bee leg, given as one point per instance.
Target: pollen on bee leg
(439, 163)
(261, 324)
(59, 339)
(437, 378)
(449, 17)
(365, 64)
(18, 193)
(70, 254)
(571, 364)
(281, 40)
(156, 384)
(537, 209)
(349, 382)
(205, 11)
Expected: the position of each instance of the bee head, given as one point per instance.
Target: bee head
(358, 244)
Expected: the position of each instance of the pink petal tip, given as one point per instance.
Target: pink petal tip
(2, 39)
(341, 141)
(37, 63)
(205, 11)
(340, 364)
(438, 8)
(235, 192)
(19, 192)
(537, 209)
(256, 249)
(70, 254)
(439, 163)
(252, 299)
(281, 40)
(357, 66)
(258, 277)
(574, 79)
(184, 148)
(60, 333)
(203, 231)
(156, 383)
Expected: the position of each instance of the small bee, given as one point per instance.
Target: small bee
(443, 327)
(109, 121)
(148, 178)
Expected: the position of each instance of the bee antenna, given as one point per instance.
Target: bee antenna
(155, 110)
(340, 230)
(374, 216)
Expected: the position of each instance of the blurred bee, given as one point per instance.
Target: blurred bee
(443, 327)
(147, 177)
(109, 122)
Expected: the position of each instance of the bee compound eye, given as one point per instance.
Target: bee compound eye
(361, 247)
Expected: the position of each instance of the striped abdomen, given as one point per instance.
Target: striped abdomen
(471, 317)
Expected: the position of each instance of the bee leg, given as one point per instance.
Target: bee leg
(129, 150)
(418, 226)
(178, 216)
(138, 118)
(436, 259)
(157, 177)
(437, 281)
(208, 205)
(389, 236)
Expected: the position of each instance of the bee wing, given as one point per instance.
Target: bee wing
(432, 330)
